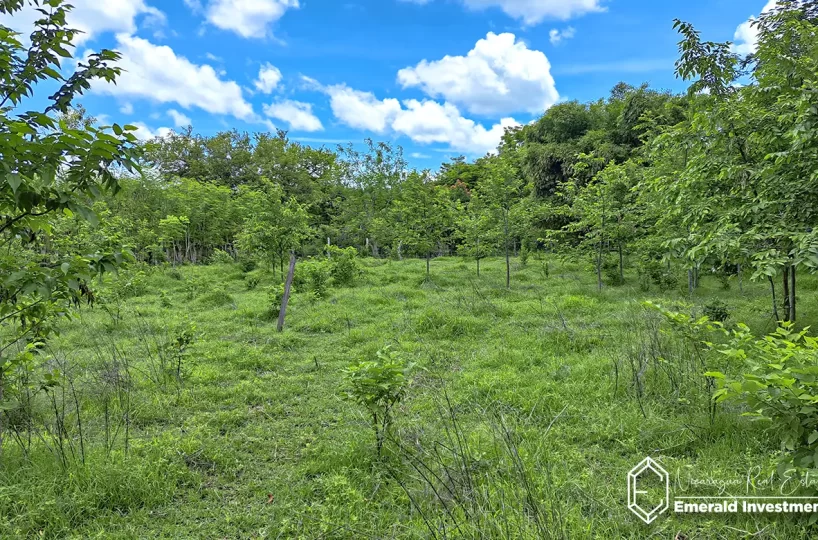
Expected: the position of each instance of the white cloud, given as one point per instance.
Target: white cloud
(156, 73)
(144, 133)
(500, 75)
(746, 36)
(268, 78)
(126, 108)
(418, 155)
(534, 11)
(558, 35)
(362, 110)
(179, 119)
(424, 122)
(247, 18)
(298, 115)
(93, 17)
(194, 5)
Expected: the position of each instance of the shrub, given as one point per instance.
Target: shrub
(221, 257)
(378, 385)
(717, 311)
(317, 274)
(343, 265)
(251, 282)
(247, 264)
(217, 298)
(175, 273)
(275, 295)
(782, 387)
(653, 271)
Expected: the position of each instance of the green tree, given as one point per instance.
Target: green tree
(274, 225)
(49, 167)
(500, 190)
(424, 214)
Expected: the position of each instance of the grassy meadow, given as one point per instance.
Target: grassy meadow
(522, 419)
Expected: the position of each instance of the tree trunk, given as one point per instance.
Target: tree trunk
(690, 281)
(740, 282)
(287, 285)
(775, 302)
(508, 261)
(792, 293)
(786, 293)
(621, 265)
(478, 257)
(599, 267)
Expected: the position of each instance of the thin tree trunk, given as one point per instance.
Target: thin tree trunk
(478, 257)
(287, 285)
(690, 281)
(775, 302)
(508, 261)
(786, 293)
(599, 267)
(621, 264)
(740, 281)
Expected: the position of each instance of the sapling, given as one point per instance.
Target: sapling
(379, 385)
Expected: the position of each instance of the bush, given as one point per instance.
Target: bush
(343, 265)
(717, 311)
(221, 257)
(316, 274)
(217, 298)
(653, 271)
(251, 281)
(275, 295)
(378, 385)
(247, 264)
(782, 388)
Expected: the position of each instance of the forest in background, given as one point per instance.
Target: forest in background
(643, 192)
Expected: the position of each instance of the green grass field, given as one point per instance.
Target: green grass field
(522, 419)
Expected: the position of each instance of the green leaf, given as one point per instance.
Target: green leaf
(14, 180)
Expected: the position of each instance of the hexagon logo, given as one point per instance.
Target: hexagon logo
(648, 490)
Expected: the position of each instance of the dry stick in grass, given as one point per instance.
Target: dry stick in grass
(286, 297)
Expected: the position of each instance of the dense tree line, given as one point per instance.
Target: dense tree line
(719, 178)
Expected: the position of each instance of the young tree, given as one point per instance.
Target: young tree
(604, 212)
(499, 190)
(423, 214)
(274, 225)
(48, 168)
(473, 230)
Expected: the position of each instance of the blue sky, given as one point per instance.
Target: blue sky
(439, 77)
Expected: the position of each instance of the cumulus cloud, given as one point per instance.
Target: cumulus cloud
(746, 36)
(297, 115)
(557, 36)
(156, 73)
(534, 11)
(247, 18)
(144, 133)
(268, 78)
(500, 75)
(424, 122)
(92, 17)
(179, 119)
